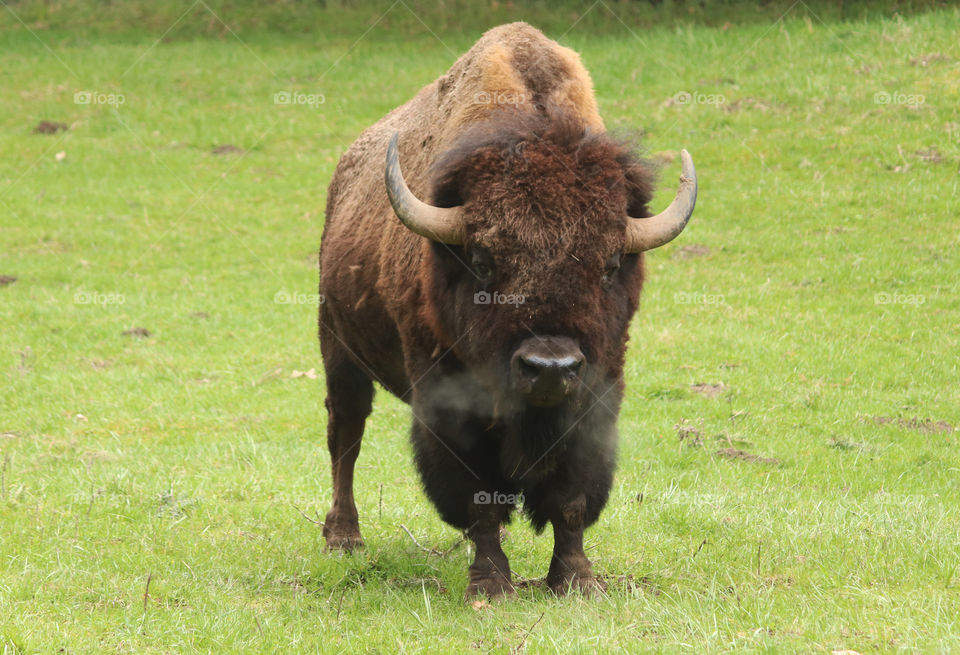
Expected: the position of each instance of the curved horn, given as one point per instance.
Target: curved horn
(649, 233)
(444, 225)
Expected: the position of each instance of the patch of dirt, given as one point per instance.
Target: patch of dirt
(930, 155)
(741, 104)
(6, 280)
(930, 58)
(925, 425)
(139, 332)
(732, 439)
(689, 433)
(227, 149)
(708, 390)
(49, 127)
(779, 580)
(26, 358)
(200, 315)
(105, 603)
(99, 456)
(529, 583)
(744, 456)
(101, 364)
(691, 251)
(713, 81)
(843, 444)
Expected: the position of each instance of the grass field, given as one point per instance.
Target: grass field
(789, 475)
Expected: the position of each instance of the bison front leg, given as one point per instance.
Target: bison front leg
(569, 568)
(490, 571)
(457, 485)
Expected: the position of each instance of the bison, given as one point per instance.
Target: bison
(481, 260)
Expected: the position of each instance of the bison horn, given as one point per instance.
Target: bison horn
(441, 224)
(649, 233)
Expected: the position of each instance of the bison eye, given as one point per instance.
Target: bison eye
(482, 264)
(611, 268)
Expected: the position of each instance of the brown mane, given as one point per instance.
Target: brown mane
(509, 135)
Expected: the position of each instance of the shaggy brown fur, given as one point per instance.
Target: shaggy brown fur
(512, 134)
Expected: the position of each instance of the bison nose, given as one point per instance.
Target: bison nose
(546, 369)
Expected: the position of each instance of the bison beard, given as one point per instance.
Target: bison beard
(525, 453)
(533, 202)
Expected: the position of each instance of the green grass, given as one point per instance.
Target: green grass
(184, 457)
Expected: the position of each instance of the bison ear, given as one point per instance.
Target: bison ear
(448, 189)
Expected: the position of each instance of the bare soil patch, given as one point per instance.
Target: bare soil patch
(708, 390)
(49, 127)
(227, 149)
(925, 425)
(744, 456)
(691, 251)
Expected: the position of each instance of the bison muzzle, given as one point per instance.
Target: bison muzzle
(482, 257)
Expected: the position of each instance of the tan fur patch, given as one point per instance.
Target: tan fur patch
(496, 86)
(578, 91)
(507, 69)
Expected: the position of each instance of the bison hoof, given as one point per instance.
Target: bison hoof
(344, 543)
(342, 534)
(587, 585)
(494, 587)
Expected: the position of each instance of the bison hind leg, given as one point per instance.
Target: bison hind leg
(349, 401)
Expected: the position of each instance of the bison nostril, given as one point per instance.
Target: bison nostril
(529, 369)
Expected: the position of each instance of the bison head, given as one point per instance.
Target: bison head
(537, 226)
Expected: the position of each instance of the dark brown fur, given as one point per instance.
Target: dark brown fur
(546, 194)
